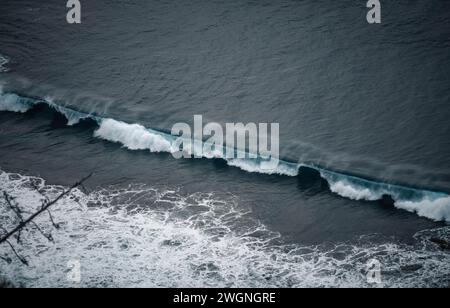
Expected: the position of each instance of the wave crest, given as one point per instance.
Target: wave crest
(14, 103)
(430, 204)
(132, 136)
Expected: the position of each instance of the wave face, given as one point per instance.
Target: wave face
(429, 204)
(161, 238)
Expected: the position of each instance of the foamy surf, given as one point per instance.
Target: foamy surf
(150, 237)
(425, 203)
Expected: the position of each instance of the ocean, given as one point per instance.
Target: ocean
(364, 170)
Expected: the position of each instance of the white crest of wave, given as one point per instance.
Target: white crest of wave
(137, 137)
(13, 103)
(264, 167)
(429, 206)
(353, 192)
(132, 136)
(436, 209)
(344, 188)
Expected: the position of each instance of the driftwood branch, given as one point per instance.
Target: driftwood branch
(49, 237)
(55, 225)
(21, 259)
(45, 207)
(14, 207)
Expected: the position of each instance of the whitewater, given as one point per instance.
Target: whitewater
(154, 237)
(430, 204)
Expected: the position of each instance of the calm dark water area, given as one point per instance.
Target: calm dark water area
(370, 101)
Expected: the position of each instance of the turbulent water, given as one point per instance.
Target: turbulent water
(147, 237)
(364, 170)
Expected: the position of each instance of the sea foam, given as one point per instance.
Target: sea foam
(141, 236)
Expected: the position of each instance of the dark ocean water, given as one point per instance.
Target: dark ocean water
(363, 110)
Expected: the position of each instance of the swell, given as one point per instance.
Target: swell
(434, 205)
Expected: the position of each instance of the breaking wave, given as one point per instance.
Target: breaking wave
(14, 103)
(141, 236)
(132, 136)
(426, 203)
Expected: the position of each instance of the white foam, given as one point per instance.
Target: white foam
(145, 237)
(13, 103)
(436, 209)
(435, 206)
(252, 165)
(137, 137)
(345, 189)
(132, 136)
